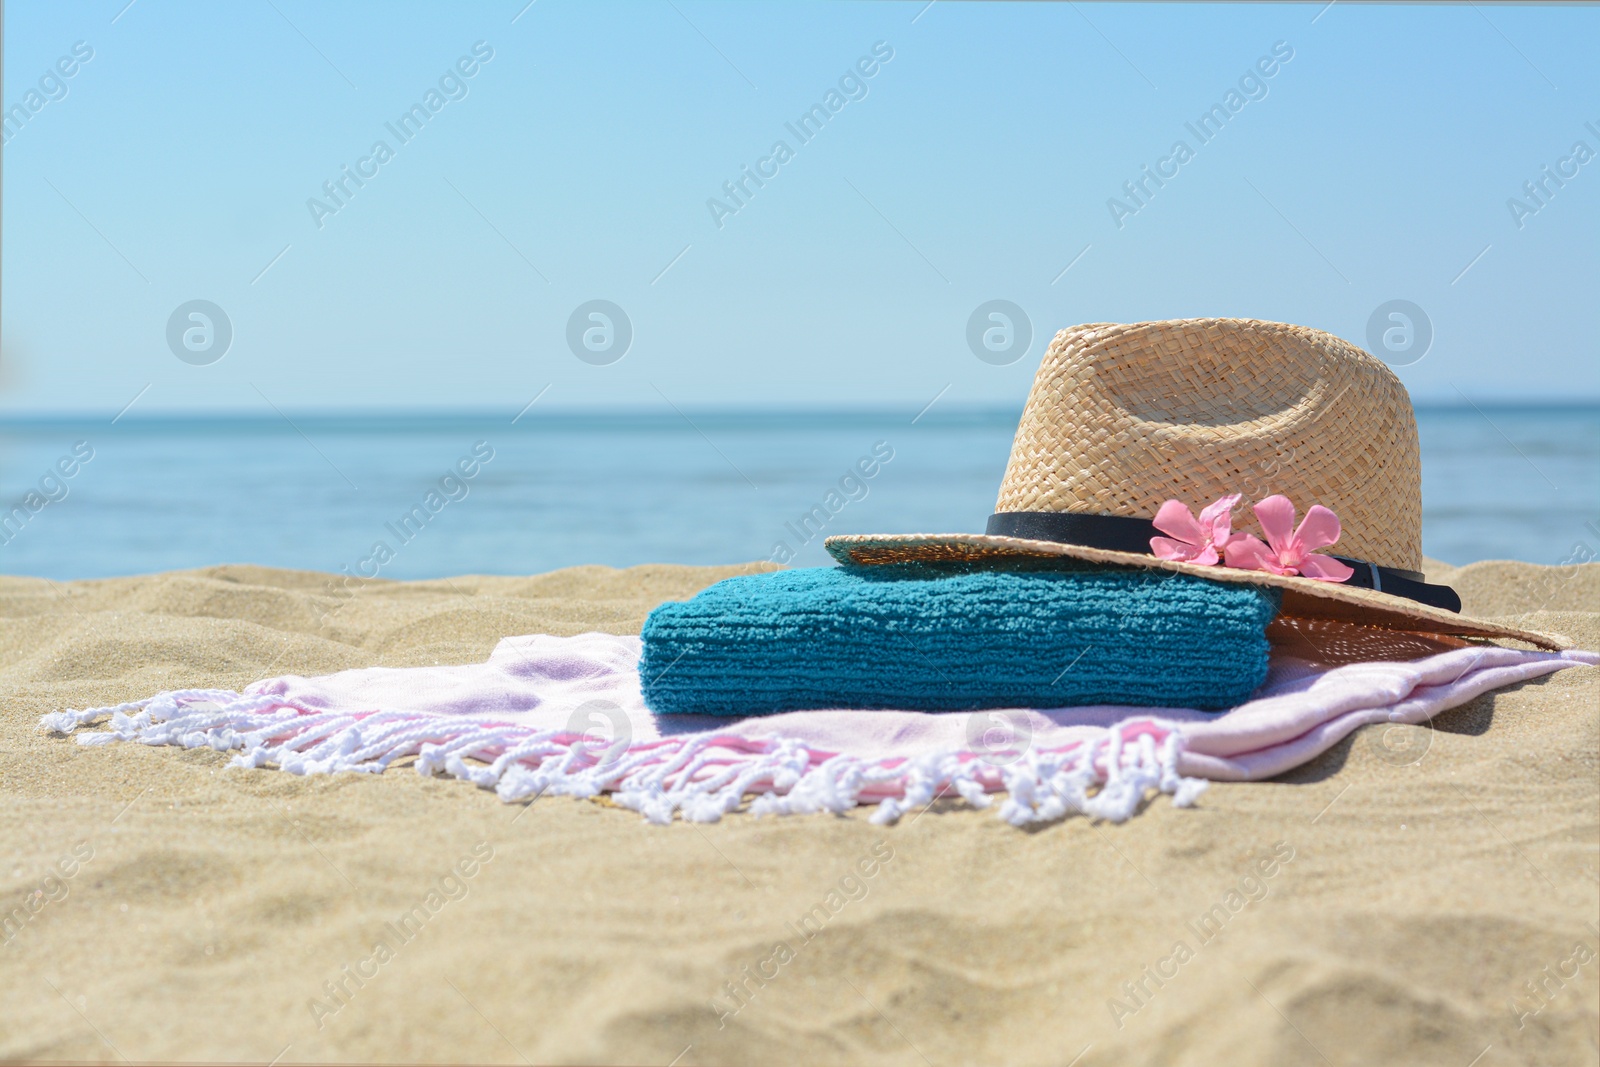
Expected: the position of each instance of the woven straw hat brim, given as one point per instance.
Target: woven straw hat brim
(1302, 597)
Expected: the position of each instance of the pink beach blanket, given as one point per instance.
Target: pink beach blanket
(564, 716)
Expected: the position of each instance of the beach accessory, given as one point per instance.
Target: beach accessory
(954, 638)
(564, 716)
(1123, 420)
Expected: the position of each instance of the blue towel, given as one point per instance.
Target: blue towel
(941, 638)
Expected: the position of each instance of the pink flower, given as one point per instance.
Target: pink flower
(1289, 549)
(1194, 541)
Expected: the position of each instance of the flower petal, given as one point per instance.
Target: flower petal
(1325, 568)
(1319, 529)
(1276, 515)
(1248, 552)
(1167, 548)
(1176, 519)
(1217, 518)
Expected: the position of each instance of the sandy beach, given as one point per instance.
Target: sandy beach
(1397, 910)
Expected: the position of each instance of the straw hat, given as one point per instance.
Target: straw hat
(1122, 418)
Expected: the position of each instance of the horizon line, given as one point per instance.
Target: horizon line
(567, 411)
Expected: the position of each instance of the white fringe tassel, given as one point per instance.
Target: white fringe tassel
(702, 776)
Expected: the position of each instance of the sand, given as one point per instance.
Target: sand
(1388, 911)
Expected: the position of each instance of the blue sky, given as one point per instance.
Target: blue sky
(975, 164)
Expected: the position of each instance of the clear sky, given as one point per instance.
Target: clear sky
(969, 153)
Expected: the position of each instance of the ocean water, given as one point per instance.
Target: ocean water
(556, 489)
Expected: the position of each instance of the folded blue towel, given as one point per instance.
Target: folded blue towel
(937, 638)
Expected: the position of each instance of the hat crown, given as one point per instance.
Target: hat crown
(1122, 418)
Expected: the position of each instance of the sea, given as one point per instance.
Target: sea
(409, 496)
